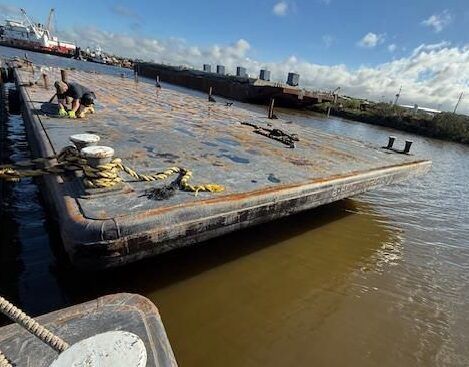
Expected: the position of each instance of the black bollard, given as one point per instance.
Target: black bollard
(391, 141)
(408, 144)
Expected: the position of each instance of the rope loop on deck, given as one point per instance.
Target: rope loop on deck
(4, 362)
(105, 175)
(31, 325)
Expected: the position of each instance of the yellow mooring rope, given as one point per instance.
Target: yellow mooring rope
(105, 175)
(4, 362)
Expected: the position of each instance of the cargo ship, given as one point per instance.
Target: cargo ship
(27, 35)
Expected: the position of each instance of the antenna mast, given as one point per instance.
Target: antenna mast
(397, 96)
(459, 101)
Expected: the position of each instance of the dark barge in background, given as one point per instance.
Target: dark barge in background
(239, 87)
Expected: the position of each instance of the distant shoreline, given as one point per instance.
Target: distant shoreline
(445, 126)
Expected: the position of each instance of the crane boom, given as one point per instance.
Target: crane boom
(38, 35)
(49, 20)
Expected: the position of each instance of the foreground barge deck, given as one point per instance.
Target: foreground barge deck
(152, 130)
(123, 311)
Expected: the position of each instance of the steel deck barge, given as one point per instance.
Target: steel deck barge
(151, 130)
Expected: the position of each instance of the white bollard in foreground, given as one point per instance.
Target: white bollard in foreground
(110, 349)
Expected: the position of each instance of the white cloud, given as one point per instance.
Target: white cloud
(431, 75)
(438, 21)
(392, 47)
(371, 40)
(280, 9)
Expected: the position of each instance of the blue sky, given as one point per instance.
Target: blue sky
(319, 31)
(339, 34)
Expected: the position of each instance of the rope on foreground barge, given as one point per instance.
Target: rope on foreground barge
(31, 325)
(99, 349)
(4, 362)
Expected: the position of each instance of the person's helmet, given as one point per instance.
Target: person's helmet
(87, 99)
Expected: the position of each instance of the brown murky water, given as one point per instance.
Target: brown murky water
(381, 279)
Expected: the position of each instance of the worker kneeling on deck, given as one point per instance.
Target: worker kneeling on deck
(82, 99)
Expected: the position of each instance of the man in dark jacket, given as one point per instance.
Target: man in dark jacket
(81, 97)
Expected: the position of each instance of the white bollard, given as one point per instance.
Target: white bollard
(84, 140)
(110, 349)
(97, 155)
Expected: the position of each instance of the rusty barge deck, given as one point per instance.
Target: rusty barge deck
(151, 131)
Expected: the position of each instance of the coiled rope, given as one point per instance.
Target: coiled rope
(4, 362)
(31, 325)
(105, 175)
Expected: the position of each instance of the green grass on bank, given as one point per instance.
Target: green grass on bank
(448, 126)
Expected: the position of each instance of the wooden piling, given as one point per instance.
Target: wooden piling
(64, 75)
(270, 114)
(45, 78)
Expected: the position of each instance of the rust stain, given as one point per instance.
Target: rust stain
(270, 190)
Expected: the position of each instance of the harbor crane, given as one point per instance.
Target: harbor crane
(31, 24)
(49, 20)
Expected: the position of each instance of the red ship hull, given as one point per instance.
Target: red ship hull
(58, 51)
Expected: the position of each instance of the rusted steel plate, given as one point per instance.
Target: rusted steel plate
(122, 311)
(152, 130)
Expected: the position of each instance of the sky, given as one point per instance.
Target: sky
(368, 48)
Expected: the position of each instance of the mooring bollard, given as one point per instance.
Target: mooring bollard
(84, 140)
(210, 98)
(112, 348)
(391, 141)
(45, 78)
(97, 155)
(270, 114)
(408, 144)
(64, 75)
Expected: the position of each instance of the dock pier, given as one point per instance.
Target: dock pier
(263, 179)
